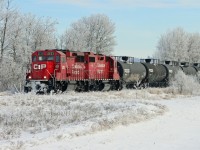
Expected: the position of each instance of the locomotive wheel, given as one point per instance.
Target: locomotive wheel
(27, 89)
(58, 88)
(86, 86)
(120, 86)
(93, 87)
(64, 86)
(49, 89)
(116, 85)
(101, 86)
(82, 86)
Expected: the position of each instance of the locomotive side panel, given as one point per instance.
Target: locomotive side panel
(96, 67)
(75, 66)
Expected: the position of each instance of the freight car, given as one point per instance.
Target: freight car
(60, 70)
(147, 72)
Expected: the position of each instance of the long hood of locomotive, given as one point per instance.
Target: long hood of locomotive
(134, 72)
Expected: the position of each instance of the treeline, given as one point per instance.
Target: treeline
(20, 35)
(179, 45)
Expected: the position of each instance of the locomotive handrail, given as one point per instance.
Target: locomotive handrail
(49, 73)
(54, 79)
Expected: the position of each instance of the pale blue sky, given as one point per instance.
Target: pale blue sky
(139, 23)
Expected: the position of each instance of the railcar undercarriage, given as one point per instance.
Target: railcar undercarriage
(45, 87)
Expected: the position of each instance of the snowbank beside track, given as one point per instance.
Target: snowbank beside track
(28, 119)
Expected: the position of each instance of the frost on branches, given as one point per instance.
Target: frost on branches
(178, 45)
(21, 34)
(94, 33)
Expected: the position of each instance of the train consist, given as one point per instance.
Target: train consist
(61, 70)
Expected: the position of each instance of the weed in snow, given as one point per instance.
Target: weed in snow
(34, 114)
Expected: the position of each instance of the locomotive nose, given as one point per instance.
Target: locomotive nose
(42, 70)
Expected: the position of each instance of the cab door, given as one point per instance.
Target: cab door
(60, 68)
(63, 68)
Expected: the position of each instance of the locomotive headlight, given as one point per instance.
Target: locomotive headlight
(45, 77)
(29, 77)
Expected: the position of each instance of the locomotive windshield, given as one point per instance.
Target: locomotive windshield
(46, 58)
(50, 57)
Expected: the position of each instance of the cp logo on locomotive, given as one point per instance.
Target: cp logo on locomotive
(37, 66)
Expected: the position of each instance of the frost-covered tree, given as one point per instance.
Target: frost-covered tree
(194, 47)
(60, 41)
(179, 45)
(38, 33)
(94, 33)
(173, 45)
(6, 23)
(20, 35)
(15, 38)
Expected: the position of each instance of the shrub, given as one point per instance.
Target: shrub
(184, 84)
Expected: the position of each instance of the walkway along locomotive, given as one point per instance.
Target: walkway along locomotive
(61, 70)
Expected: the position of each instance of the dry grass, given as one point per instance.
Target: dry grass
(38, 113)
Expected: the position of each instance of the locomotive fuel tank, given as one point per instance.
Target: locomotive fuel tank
(131, 72)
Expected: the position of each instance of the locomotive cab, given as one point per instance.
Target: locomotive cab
(47, 66)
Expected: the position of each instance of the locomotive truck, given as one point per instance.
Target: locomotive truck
(61, 70)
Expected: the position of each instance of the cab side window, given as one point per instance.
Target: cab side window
(91, 59)
(63, 59)
(34, 58)
(80, 58)
(57, 58)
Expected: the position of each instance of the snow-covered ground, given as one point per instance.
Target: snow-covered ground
(178, 129)
(128, 119)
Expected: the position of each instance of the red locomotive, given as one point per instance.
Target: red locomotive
(60, 70)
